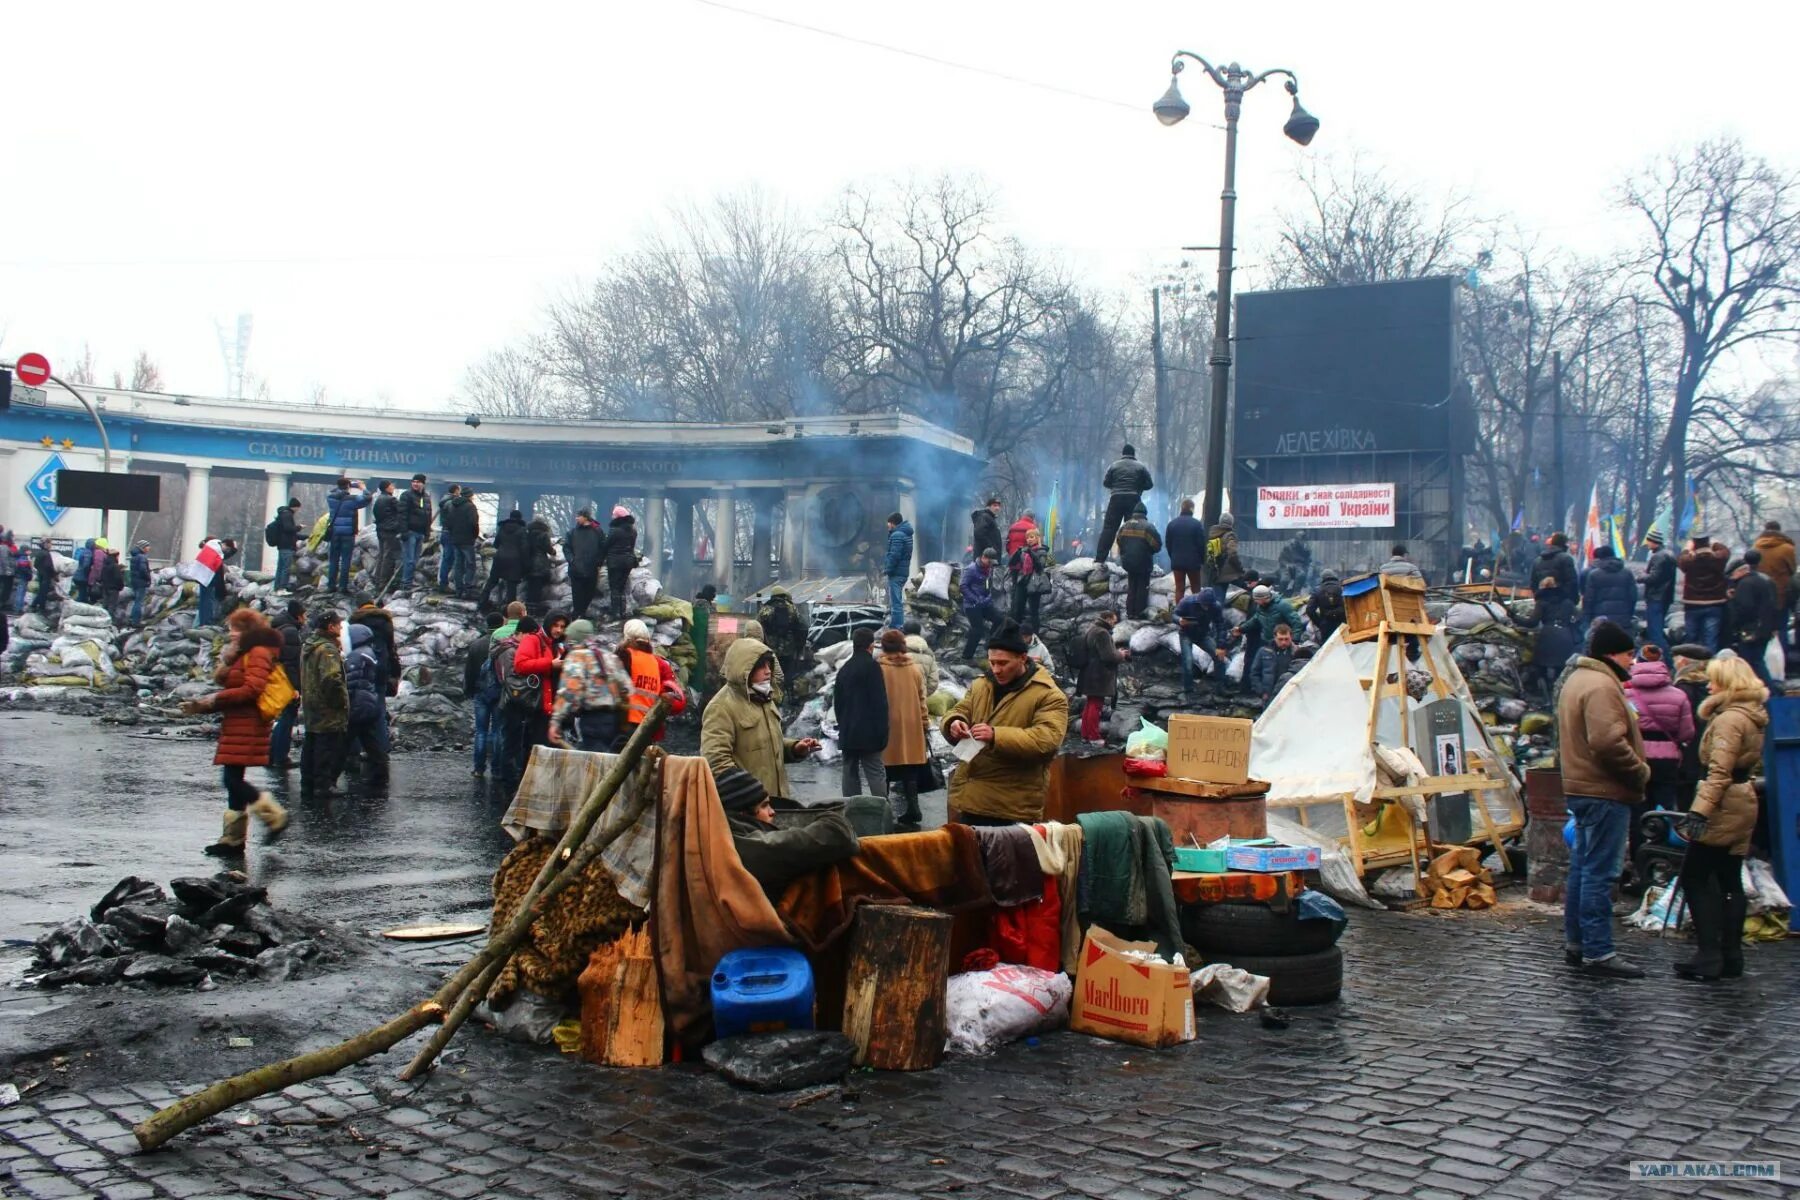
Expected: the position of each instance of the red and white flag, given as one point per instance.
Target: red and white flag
(206, 564)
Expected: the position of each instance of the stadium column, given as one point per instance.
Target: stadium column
(654, 505)
(724, 538)
(793, 533)
(195, 511)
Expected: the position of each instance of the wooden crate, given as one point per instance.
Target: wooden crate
(1371, 599)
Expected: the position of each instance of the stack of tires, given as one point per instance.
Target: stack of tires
(1300, 957)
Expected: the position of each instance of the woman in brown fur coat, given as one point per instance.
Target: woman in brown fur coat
(250, 656)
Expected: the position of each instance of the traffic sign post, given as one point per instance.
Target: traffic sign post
(32, 369)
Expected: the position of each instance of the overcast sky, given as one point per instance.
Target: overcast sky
(393, 189)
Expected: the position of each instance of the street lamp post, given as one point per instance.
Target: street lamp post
(1301, 126)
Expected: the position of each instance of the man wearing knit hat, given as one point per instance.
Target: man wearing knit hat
(1659, 592)
(1604, 773)
(774, 856)
(591, 693)
(1019, 717)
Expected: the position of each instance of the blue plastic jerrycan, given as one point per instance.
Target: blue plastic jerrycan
(762, 991)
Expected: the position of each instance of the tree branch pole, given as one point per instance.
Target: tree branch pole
(191, 1110)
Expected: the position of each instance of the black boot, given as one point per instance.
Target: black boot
(1707, 908)
(1731, 937)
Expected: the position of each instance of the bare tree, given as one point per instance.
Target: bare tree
(146, 376)
(1721, 255)
(512, 382)
(1356, 225)
(943, 316)
(82, 373)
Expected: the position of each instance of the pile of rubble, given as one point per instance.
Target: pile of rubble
(213, 929)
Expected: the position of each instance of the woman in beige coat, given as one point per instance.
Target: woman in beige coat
(1718, 825)
(907, 748)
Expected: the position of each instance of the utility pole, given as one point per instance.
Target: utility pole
(1556, 438)
(1163, 482)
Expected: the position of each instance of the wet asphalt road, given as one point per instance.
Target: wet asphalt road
(83, 804)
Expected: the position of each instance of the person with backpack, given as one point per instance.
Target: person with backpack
(291, 625)
(380, 623)
(343, 504)
(252, 652)
(112, 583)
(592, 694)
(84, 559)
(514, 696)
(138, 579)
(1223, 567)
(1030, 565)
(389, 525)
(529, 678)
(364, 678)
(283, 536)
(325, 702)
(482, 687)
(96, 571)
(1325, 607)
(1139, 544)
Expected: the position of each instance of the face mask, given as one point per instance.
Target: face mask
(764, 689)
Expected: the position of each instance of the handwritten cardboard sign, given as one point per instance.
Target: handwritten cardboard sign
(1209, 749)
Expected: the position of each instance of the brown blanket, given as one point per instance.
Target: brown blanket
(705, 903)
(941, 869)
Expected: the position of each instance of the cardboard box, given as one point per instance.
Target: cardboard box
(1209, 749)
(1127, 1000)
(1273, 858)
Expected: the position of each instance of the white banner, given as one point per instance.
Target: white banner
(1326, 506)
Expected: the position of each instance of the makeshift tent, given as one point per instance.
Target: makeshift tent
(1313, 744)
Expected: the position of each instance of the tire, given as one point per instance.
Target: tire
(1223, 929)
(1295, 979)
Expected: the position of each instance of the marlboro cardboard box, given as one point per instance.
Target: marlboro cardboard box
(1123, 991)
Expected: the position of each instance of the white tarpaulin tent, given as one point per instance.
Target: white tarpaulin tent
(1312, 742)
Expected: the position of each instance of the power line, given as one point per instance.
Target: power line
(971, 68)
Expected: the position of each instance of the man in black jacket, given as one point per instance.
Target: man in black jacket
(984, 530)
(1659, 592)
(1138, 546)
(508, 568)
(291, 624)
(1609, 592)
(287, 541)
(1126, 481)
(415, 521)
(482, 687)
(860, 702)
(1554, 583)
(1185, 540)
(463, 525)
(1752, 614)
(1325, 608)
(584, 546)
(389, 525)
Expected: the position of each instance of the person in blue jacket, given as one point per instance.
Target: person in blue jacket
(1610, 591)
(898, 567)
(342, 504)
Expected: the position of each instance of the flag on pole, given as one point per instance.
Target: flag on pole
(1590, 536)
(1618, 535)
(1518, 524)
(1050, 514)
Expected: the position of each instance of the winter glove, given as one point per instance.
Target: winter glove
(1693, 826)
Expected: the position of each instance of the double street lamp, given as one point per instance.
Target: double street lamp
(1301, 126)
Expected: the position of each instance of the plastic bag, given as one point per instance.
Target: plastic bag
(1775, 659)
(990, 1008)
(1761, 889)
(1147, 768)
(1653, 910)
(1234, 670)
(1149, 742)
(936, 581)
(1229, 987)
(529, 1018)
(1144, 639)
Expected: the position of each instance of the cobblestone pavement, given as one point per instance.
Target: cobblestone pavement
(1465, 1061)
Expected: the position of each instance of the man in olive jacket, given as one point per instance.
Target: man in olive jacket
(1020, 716)
(1604, 773)
(742, 726)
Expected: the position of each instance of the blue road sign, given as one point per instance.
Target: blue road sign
(42, 488)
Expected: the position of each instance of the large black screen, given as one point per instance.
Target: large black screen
(107, 489)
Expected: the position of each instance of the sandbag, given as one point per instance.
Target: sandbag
(1145, 639)
(936, 581)
(987, 1009)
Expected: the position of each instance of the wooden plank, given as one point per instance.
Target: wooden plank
(1170, 785)
(1440, 785)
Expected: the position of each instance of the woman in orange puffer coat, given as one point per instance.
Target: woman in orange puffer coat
(251, 656)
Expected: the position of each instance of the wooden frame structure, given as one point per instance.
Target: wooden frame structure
(1392, 616)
